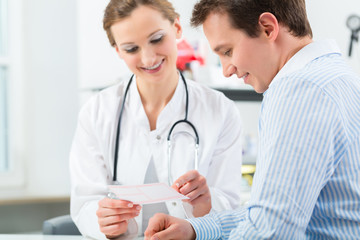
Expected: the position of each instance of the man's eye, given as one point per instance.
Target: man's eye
(131, 50)
(227, 53)
(156, 40)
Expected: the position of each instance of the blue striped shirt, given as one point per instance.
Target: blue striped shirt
(307, 180)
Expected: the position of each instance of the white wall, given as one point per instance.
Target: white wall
(50, 68)
(50, 99)
(328, 20)
(44, 130)
(98, 63)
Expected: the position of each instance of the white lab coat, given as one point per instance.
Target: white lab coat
(218, 124)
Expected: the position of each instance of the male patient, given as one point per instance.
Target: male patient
(307, 181)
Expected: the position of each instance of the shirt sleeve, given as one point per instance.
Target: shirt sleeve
(299, 137)
(217, 225)
(224, 174)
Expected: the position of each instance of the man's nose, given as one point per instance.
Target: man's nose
(229, 70)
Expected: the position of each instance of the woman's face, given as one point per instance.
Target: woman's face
(146, 41)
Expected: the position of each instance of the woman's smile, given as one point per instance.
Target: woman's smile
(155, 68)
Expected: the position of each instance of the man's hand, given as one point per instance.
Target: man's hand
(194, 186)
(162, 226)
(113, 216)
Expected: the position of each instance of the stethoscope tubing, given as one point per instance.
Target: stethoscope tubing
(185, 120)
(118, 130)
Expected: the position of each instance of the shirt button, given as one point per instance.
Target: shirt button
(174, 204)
(158, 137)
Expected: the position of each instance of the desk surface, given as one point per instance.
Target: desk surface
(50, 237)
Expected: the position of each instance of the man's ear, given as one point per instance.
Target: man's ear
(269, 25)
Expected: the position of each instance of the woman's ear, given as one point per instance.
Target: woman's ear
(118, 51)
(178, 28)
(269, 25)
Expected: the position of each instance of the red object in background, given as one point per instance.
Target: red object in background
(186, 54)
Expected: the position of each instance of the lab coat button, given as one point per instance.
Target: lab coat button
(158, 137)
(174, 204)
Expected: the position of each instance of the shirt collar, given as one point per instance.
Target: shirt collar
(306, 55)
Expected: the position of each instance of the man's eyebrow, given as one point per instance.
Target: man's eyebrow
(217, 48)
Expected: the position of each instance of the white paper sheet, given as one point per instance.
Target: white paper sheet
(146, 194)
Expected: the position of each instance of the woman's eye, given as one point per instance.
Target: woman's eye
(156, 40)
(131, 50)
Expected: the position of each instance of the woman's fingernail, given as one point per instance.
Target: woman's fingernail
(138, 208)
(177, 185)
(130, 205)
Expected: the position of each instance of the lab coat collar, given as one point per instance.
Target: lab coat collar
(304, 56)
(174, 110)
(167, 115)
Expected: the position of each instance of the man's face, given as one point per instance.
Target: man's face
(251, 58)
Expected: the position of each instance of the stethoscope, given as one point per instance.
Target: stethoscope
(353, 23)
(169, 146)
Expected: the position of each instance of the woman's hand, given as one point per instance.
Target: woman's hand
(113, 216)
(194, 186)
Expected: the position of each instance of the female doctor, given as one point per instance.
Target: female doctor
(122, 131)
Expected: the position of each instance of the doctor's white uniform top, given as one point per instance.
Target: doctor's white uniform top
(218, 124)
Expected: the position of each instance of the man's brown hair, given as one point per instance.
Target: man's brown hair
(244, 14)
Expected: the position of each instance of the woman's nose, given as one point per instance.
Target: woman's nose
(148, 58)
(229, 70)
